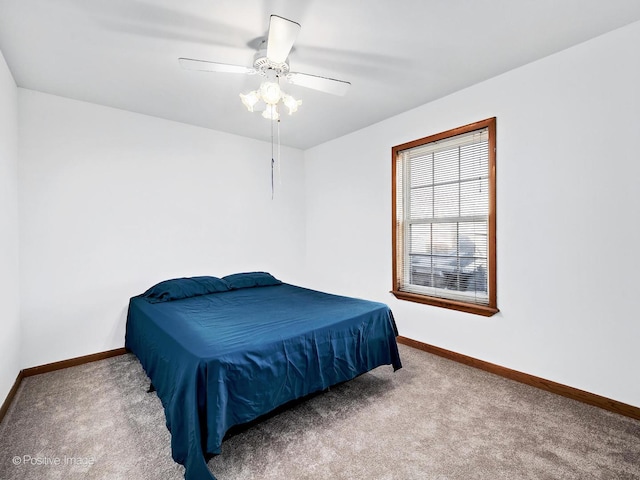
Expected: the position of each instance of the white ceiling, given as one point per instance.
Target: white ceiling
(398, 54)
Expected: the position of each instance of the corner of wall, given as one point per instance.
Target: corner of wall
(10, 340)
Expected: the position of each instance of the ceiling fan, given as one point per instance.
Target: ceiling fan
(271, 62)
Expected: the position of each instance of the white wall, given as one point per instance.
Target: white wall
(112, 202)
(9, 293)
(568, 217)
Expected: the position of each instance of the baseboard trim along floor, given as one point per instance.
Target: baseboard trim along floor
(50, 367)
(553, 387)
(10, 395)
(72, 362)
(548, 385)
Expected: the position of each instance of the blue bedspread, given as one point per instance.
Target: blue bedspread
(224, 359)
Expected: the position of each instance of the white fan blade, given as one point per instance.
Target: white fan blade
(282, 34)
(323, 84)
(202, 65)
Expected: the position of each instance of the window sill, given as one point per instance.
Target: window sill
(484, 310)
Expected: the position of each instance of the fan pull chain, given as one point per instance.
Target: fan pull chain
(279, 157)
(272, 160)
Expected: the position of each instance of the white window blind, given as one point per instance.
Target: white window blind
(442, 203)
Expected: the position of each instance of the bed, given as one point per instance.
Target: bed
(224, 351)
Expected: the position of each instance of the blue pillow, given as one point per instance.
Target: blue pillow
(251, 279)
(179, 288)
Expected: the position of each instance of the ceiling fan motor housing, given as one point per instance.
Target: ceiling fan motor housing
(262, 64)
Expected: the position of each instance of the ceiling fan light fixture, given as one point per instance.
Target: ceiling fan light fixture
(250, 99)
(270, 92)
(270, 95)
(291, 103)
(271, 112)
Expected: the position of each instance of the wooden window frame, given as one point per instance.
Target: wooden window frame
(486, 310)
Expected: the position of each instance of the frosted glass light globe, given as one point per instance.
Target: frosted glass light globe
(270, 92)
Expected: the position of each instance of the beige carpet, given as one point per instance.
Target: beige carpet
(433, 419)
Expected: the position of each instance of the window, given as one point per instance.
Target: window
(444, 219)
